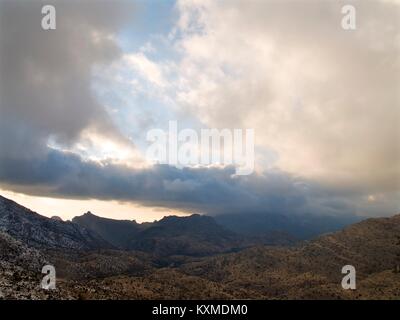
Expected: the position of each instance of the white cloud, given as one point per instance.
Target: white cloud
(148, 69)
(324, 99)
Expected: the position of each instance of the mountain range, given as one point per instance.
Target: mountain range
(193, 235)
(194, 257)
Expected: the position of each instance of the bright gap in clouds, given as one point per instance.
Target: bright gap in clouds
(69, 208)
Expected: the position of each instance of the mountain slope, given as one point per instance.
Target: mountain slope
(41, 232)
(194, 235)
(117, 232)
(20, 271)
(311, 270)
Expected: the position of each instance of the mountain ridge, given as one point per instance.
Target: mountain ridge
(39, 231)
(171, 235)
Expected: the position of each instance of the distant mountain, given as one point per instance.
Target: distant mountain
(120, 233)
(44, 233)
(298, 226)
(193, 235)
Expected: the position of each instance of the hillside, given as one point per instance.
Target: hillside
(44, 233)
(117, 232)
(20, 271)
(195, 235)
(312, 270)
(309, 271)
(190, 258)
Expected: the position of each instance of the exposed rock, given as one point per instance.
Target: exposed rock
(41, 232)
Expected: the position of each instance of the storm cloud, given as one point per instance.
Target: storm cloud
(45, 76)
(202, 190)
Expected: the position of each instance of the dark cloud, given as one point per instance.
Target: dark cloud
(204, 190)
(45, 76)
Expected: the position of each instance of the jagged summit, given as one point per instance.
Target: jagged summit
(117, 232)
(191, 235)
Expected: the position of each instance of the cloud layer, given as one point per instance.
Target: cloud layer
(202, 190)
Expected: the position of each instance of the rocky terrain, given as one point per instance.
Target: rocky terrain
(20, 272)
(189, 258)
(311, 270)
(41, 232)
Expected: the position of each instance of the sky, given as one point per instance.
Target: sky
(77, 102)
